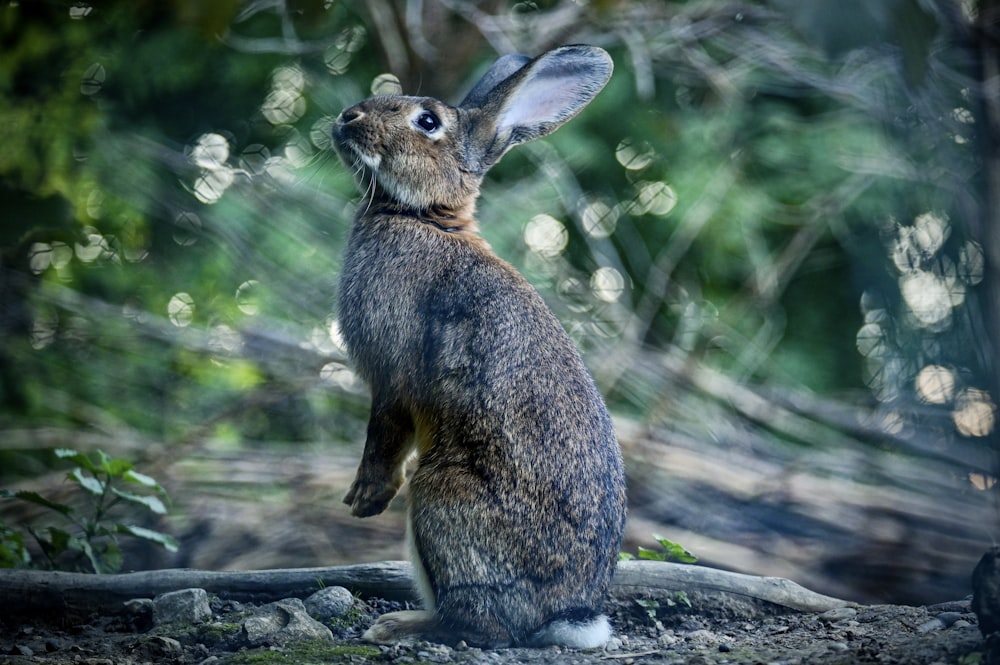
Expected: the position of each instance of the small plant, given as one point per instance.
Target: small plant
(92, 532)
(652, 606)
(649, 605)
(12, 551)
(670, 551)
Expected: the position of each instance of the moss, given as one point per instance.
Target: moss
(349, 619)
(216, 632)
(210, 634)
(365, 650)
(304, 653)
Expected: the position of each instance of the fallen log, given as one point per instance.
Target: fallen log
(47, 592)
(635, 578)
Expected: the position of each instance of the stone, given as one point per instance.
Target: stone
(184, 606)
(139, 606)
(139, 614)
(282, 623)
(948, 618)
(930, 625)
(838, 614)
(435, 653)
(160, 648)
(331, 602)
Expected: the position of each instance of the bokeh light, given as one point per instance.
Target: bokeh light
(634, 155)
(386, 84)
(546, 236)
(248, 297)
(599, 218)
(936, 384)
(180, 309)
(975, 413)
(608, 284)
(285, 103)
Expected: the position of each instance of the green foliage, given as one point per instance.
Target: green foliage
(219, 305)
(12, 551)
(176, 317)
(174, 218)
(669, 551)
(651, 606)
(91, 531)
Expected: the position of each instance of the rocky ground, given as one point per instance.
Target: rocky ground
(189, 627)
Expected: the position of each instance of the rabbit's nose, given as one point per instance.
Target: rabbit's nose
(348, 116)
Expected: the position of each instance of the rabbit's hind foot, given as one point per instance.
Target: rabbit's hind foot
(397, 626)
(425, 625)
(590, 633)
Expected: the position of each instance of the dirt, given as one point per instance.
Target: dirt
(698, 630)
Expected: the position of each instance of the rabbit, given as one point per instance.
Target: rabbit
(517, 503)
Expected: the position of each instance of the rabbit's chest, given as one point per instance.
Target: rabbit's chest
(385, 287)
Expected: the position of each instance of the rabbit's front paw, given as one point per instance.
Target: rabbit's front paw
(370, 497)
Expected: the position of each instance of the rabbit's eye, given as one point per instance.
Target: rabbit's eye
(428, 121)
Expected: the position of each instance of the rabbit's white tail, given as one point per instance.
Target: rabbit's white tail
(589, 633)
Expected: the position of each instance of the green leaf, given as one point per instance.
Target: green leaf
(115, 468)
(649, 605)
(625, 556)
(77, 458)
(674, 551)
(169, 543)
(110, 558)
(89, 483)
(59, 541)
(153, 503)
(651, 555)
(101, 529)
(38, 499)
(85, 547)
(133, 476)
(13, 554)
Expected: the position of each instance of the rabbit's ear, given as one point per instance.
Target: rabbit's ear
(535, 99)
(501, 69)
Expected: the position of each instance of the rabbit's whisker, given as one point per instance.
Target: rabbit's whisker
(370, 191)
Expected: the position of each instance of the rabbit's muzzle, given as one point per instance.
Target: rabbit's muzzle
(347, 116)
(355, 138)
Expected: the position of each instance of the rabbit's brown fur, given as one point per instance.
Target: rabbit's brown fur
(517, 505)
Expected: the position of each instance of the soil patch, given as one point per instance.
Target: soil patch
(697, 629)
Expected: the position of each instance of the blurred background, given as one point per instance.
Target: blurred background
(774, 236)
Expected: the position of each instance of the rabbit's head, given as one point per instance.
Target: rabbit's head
(419, 153)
